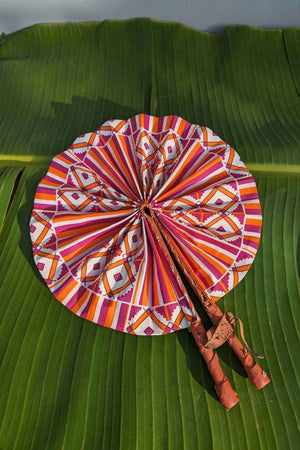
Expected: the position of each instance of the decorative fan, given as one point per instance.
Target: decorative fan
(129, 211)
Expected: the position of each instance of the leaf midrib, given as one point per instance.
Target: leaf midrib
(255, 168)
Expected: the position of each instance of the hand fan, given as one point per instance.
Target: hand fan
(133, 208)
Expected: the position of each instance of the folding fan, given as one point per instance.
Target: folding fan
(134, 210)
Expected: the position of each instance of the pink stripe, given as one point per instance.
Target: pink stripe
(44, 206)
(77, 296)
(70, 157)
(160, 124)
(84, 313)
(158, 255)
(252, 228)
(246, 197)
(121, 153)
(122, 317)
(186, 130)
(255, 212)
(146, 121)
(59, 167)
(174, 122)
(49, 178)
(44, 190)
(249, 243)
(103, 311)
(61, 288)
(247, 179)
(133, 311)
(133, 123)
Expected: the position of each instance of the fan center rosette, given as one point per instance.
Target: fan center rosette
(92, 242)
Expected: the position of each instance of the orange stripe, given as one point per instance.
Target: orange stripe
(218, 254)
(231, 155)
(66, 291)
(125, 285)
(42, 235)
(232, 224)
(249, 190)
(53, 269)
(80, 301)
(56, 172)
(145, 290)
(92, 138)
(92, 308)
(110, 314)
(188, 317)
(138, 280)
(127, 157)
(226, 192)
(179, 318)
(158, 323)
(243, 268)
(105, 282)
(256, 222)
(225, 288)
(128, 268)
(214, 143)
(142, 120)
(140, 320)
(114, 264)
(252, 206)
(155, 125)
(235, 278)
(239, 168)
(167, 313)
(43, 196)
(181, 126)
(155, 300)
(107, 128)
(81, 250)
(121, 124)
(46, 183)
(65, 157)
(204, 131)
(251, 238)
(70, 232)
(81, 144)
(169, 121)
(172, 297)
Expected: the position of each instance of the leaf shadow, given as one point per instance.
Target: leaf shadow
(83, 115)
(23, 217)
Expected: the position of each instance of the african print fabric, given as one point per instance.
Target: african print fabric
(92, 242)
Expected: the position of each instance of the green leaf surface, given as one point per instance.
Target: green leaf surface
(68, 383)
(8, 179)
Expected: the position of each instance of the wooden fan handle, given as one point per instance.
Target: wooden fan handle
(256, 374)
(223, 388)
(225, 393)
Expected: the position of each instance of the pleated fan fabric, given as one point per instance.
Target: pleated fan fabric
(92, 242)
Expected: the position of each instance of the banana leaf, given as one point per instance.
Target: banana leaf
(68, 383)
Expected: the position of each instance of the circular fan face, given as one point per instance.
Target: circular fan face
(92, 242)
